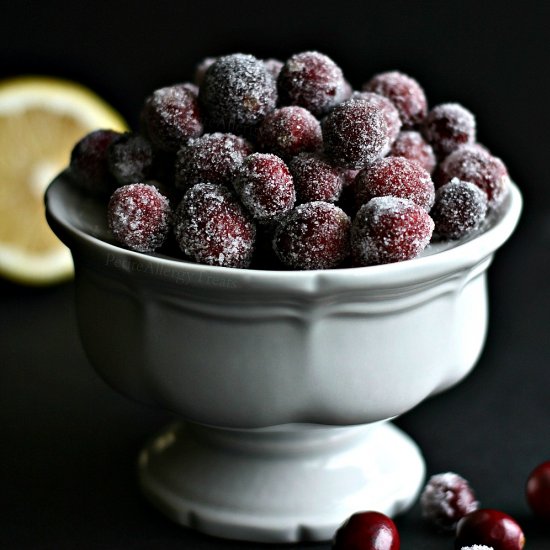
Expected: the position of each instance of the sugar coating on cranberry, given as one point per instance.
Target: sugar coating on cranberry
(404, 92)
(288, 131)
(446, 498)
(171, 116)
(211, 158)
(448, 126)
(130, 158)
(211, 227)
(355, 134)
(477, 547)
(315, 179)
(472, 163)
(315, 235)
(139, 217)
(459, 209)
(237, 92)
(367, 531)
(311, 80)
(396, 177)
(411, 145)
(537, 491)
(89, 161)
(265, 186)
(389, 229)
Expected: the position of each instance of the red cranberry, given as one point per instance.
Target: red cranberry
(459, 208)
(446, 498)
(367, 531)
(355, 134)
(139, 217)
(315, 235)
(288, 131)
(397, 177)
(311, 80)
(211, 227)
(89, 162)
(265, 186)
(538, 490)
(171, 116)
(237, 93)
(472, 163)
(405, 92)
(448, 126)
(389, 229)
(411, 145)
(130, 158)
(315, 179)
(490, 527)
(211, 158)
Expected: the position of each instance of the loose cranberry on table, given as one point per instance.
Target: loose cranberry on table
(489, 527)
(411, 145)
(367, 531)
(537, 491)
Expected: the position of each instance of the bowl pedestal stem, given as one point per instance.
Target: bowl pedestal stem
(288, 483)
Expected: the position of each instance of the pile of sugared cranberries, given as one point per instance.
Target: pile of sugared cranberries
(284, 160)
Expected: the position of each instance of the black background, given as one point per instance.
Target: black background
(69, 442)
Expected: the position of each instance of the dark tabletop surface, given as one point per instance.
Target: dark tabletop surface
(69, 442)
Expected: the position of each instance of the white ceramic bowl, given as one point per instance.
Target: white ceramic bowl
(281, 379)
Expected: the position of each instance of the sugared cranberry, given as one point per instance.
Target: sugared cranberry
(315, 179)
(355, 134)
(237, 92)
(171, 116)
(211, 158)
(211, 227)
(411, 145)
(459, 208)
(490, 527)
(130, 158)
(288, 131)
(315, 235)
(446, 498)
(139, 217)
(477, 547)
(448, 126)
(389, 229)
(537, 490)
(311, 80)
(396, 177)
(265, 186)
(405, 93)
(367, 531)
(471, 163)
(274, 66)
(89, 162)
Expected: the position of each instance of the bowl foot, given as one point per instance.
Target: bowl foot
(290, 483)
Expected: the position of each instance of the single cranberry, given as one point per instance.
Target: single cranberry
(265, 187)
(89, 162)
(490, 527)
(130, 158)
(448, 126)
(396, 177)
(139, 217)
(459, 208)
(288, 131)
(411, 145)
(355, 134)
(389, 229)
(405, 92)
(237, 92)
(445, 499)
(311, 80)
(367, 531)
(170, 116)
(315, 235)
(538, 490)
(211, 227)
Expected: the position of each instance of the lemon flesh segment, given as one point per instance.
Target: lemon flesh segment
(40, 121)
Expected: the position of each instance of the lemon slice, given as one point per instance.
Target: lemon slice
(41, 119)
